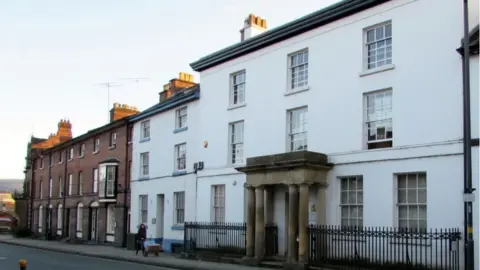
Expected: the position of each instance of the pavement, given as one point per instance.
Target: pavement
(46, 260)
(48, 251)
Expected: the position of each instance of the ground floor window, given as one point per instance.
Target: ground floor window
(218, 203)
(143, 199)
(111, 219)
(40, 218)
(79, 220)
(59, 219)
(412, 201)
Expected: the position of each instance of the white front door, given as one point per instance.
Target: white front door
(160, 215)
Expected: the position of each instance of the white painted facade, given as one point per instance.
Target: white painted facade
(425, 78)
(160, 184)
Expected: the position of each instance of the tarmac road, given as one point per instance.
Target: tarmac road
(48, 260)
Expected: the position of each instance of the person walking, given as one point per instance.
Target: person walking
(141, 236)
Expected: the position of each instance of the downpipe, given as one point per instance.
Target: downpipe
(469, 253)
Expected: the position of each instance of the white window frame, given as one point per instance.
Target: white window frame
(111, 222)
(70, 154)
(145, 130)
(417, 183)
(96, 145)
(95, 180)
(373, 116)
(70, 184)
(298, 69)
(181, 157)
(181, 118)
(218, 203)
(375, 46)
(60, 185)
(41, 189)
(110, 181)
(82, 150)
(80, 183)
(299, 134)
(50, 188)
(59, 219)
(40, 218)
(144, 164)
(236, 142)
(60, 157)
(79, 225)
(179, 208)
(351, 201)
(238, 88)
(113, 140)
(143, 206)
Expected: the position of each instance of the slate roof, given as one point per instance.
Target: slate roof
(306, 23)
(179, 98)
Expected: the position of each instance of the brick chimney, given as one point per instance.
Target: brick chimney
(120, 111)
(183, 81)
(252, 26)
(64, 133)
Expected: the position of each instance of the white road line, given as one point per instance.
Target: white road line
(3, 258)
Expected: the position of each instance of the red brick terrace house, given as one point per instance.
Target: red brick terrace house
(80, 186)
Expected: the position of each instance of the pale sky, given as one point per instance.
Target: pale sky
(54, 52)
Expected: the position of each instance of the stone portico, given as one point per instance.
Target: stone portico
(300, 172)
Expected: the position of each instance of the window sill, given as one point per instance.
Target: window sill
(81, 156)
(95, 152)
(112, 147)
(70, 160)
(297, 90)
(144, 140)
(376, 70)
(236, 106)
(60, 163)
(178, 227)
(177, 130)
(178, 173)
(130, 142)
(143, 178)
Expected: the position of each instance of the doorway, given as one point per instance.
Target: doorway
(92, 235)
(160, 215)
(67, 223)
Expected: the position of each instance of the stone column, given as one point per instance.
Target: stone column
(250, 221)
(292, 223)
(259, 223)
(303, 224)
(321, 206)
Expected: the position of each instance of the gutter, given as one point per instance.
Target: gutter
(304, 24)
(468, 193)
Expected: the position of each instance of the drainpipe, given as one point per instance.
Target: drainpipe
(467, 148)
(49, 214)
(64, 195)
(125, 190)
(32, 191)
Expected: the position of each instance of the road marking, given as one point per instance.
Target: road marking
(3, 258)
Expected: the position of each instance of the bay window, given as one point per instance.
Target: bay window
(108, 179)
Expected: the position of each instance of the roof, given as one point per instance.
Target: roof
(180, 98)
(473, 38)
(299, 26)
(89, 134)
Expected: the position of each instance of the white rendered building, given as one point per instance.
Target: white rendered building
(376, 87)
(163, 182)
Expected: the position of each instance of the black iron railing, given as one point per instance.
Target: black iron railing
(384, 248)
(271, 240)
(215, 237)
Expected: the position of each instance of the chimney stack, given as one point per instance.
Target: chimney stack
(252, 26)
(120, 111)
(183, 81)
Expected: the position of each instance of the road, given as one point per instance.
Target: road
(48, 260)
